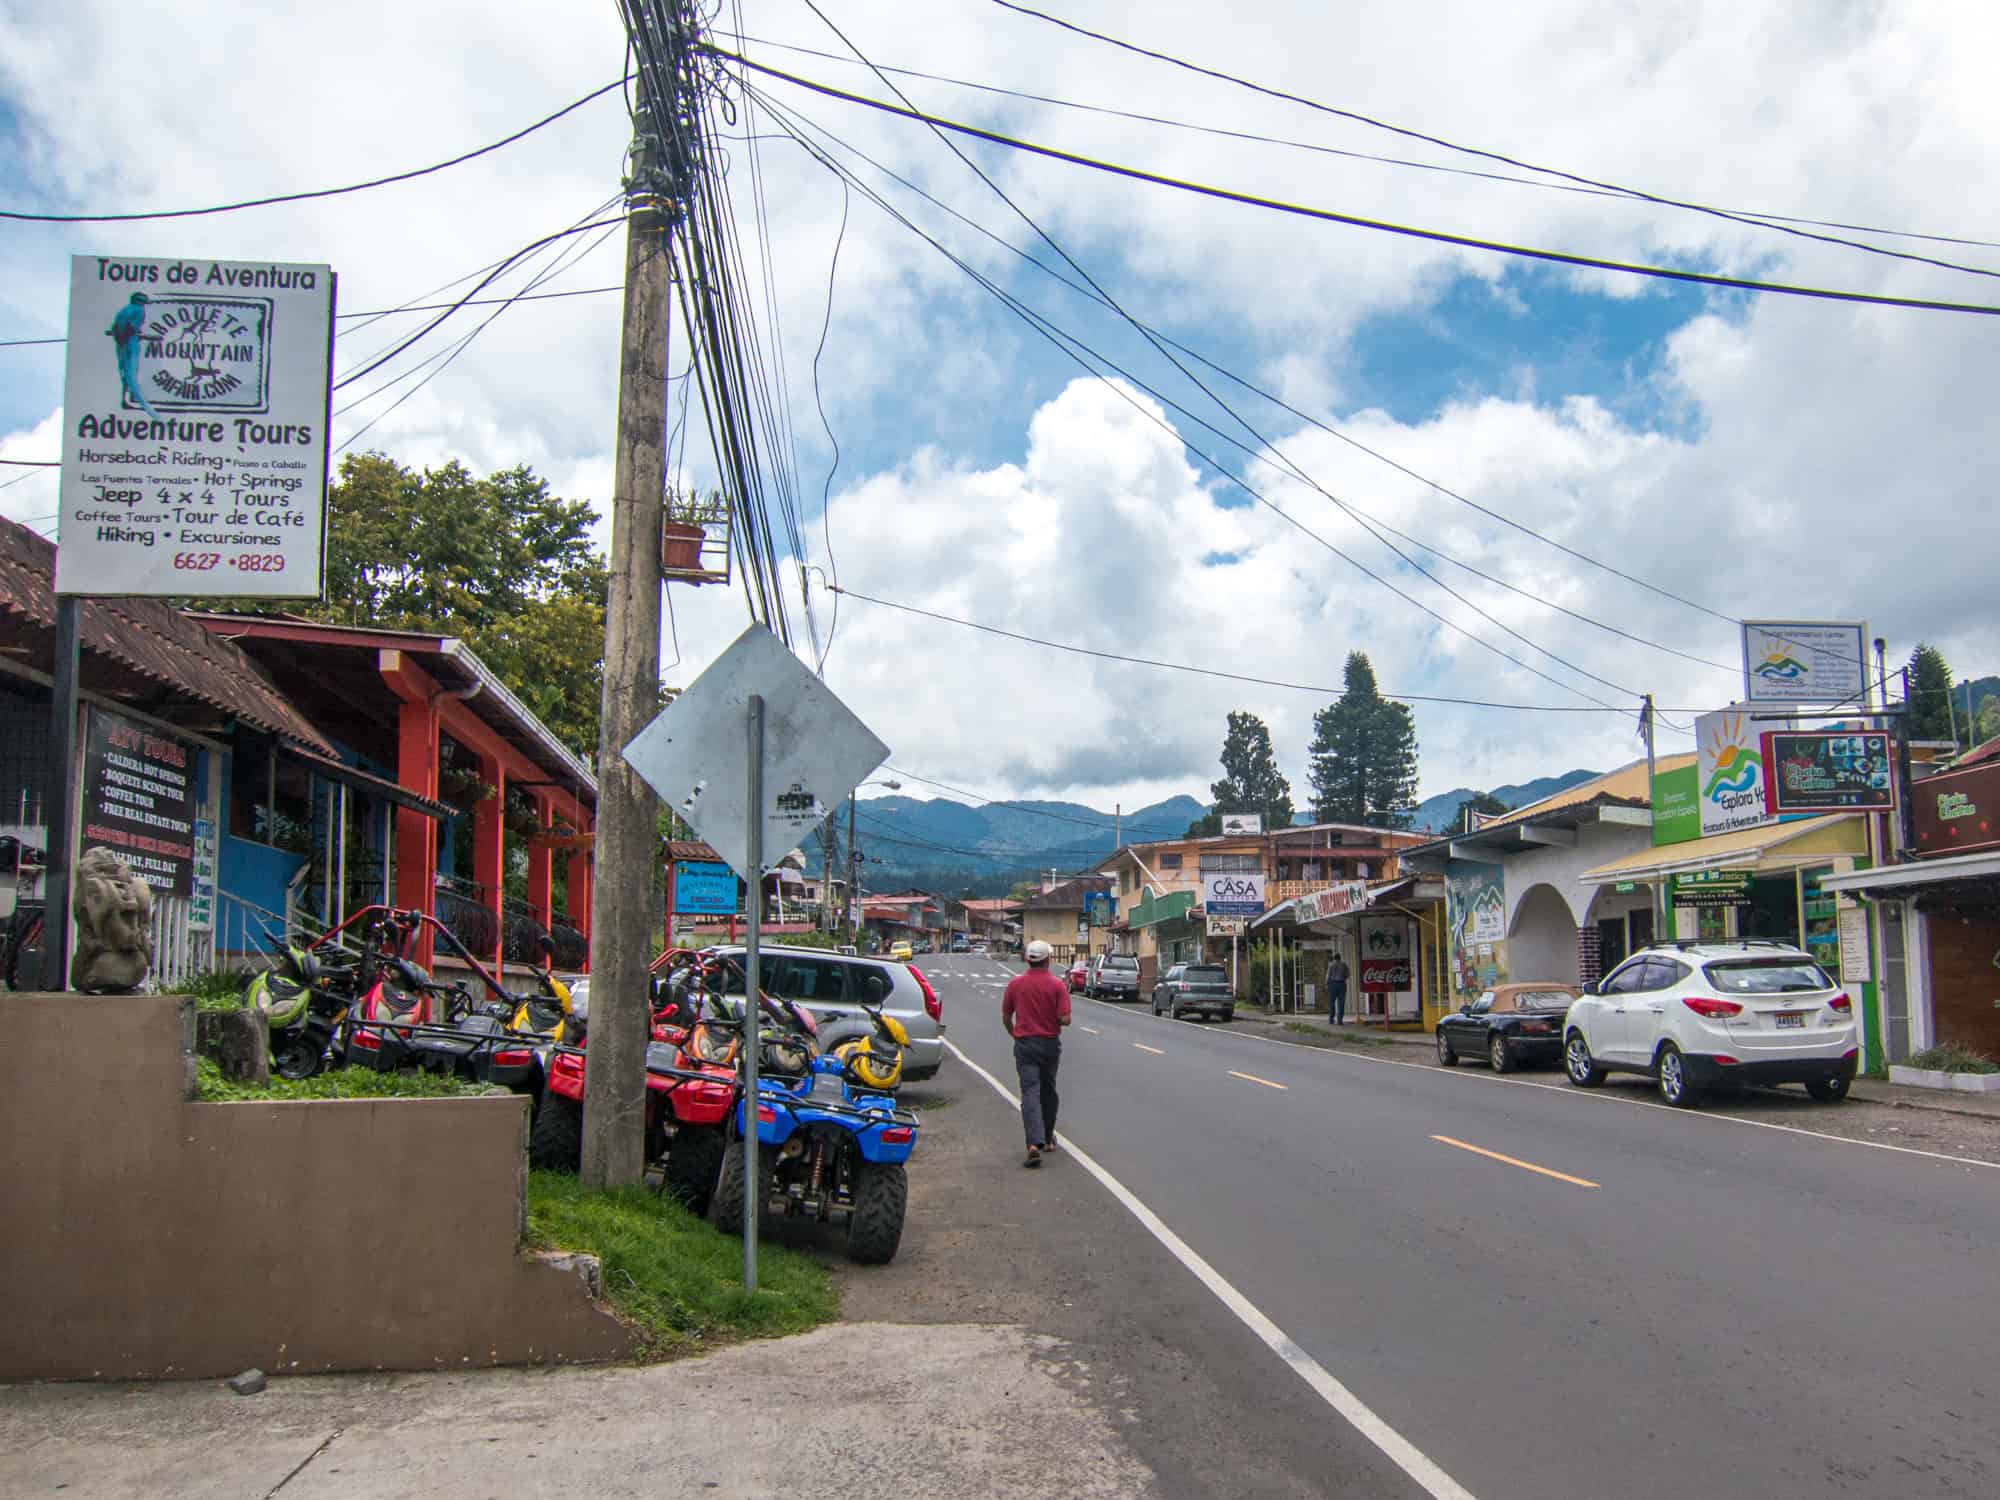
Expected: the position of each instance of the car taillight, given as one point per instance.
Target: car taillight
(1842, 1004)
(1714, 1010)
(513, 1057)
(933, 1006)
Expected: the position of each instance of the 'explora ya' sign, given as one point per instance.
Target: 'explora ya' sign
(195, 428)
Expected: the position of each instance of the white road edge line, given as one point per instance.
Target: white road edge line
(1398, 1449)
(1091, 1029)
(1566, 1091)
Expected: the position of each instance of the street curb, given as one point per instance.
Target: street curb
(1866, 1097)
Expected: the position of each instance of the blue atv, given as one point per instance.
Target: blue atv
(827, 1144)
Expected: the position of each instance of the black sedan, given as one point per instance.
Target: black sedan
(1509, 1025)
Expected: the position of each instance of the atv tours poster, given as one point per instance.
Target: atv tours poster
(139, 800)
(195, 411)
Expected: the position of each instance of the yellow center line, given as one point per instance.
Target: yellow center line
(1156, 1051)
(1253, 1078)
(1525, 1166)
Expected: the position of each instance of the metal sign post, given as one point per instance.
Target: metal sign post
(753, 989)
(61, 800)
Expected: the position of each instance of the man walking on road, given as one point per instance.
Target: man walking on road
(1336, 991)
(1034, 1010)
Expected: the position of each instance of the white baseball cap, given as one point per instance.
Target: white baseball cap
(1039, 952)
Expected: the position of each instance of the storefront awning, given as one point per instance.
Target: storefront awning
(1774, 846)
(1344, 899)
(1916, 876)
(1151, 910)
(375, 786)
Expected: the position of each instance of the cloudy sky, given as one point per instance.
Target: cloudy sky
(1755, 455)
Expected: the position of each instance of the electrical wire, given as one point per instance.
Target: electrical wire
(819, 401)
(1321, 689)
(1278, 401)
(1639, 194)
(335, 192)
(1758, 216)
(1357, 221)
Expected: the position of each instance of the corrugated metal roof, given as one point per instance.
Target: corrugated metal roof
(1628, 783)
(144, 638)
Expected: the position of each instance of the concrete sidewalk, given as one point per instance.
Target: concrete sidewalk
(870, 1408)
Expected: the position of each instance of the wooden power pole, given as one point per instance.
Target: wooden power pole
(628, 839)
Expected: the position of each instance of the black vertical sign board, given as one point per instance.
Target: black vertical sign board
(139, 799)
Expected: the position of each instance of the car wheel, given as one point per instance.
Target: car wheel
(1228, 1015)
(1447, 1054)
(1579, 1064)
(1676, 1088)
(1498, 1055)
(1829, 1090)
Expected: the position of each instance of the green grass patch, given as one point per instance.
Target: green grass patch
(676, 1278)
(335, 1083)
(1954, 1057)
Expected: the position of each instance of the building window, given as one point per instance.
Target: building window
(1170, 861)
(1231, 863)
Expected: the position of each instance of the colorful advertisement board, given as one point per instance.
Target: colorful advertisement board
(1385, 966)
(1729, 771)
(1334, 901)
(1957, 812)
(1676, 805)
(139, 800)
(1805, 661)
(1232, 893)
(1475, 894)
(1709, 888)
(704, 888)
(1822, 773)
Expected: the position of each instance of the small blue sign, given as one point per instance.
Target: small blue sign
(1099, 908)
(704, 888)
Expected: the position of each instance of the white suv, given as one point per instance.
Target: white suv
(1698, 1014)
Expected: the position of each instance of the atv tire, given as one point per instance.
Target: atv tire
(875, 1227)
(694, 1161)
(726, 1206)
(555, 1144)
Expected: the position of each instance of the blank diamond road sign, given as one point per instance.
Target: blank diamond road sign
(696, 754)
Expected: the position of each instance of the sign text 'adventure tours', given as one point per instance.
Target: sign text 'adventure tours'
(195, 411)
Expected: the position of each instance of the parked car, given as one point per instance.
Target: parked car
(901, 951)
(961, 944)
(1695, 1015)
(1197, 990)
(1078, 972)
(981, 947)
(1113, 976)
(1508, 1025)
(832, 985)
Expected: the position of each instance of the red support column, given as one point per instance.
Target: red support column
(541, 868)
(579, 897)
(416, 835)
(489, 866)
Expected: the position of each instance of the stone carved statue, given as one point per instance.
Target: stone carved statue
(114, 926)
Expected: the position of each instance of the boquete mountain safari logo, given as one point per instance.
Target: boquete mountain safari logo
(1779, 665)
(180, 353)
(1739, 770)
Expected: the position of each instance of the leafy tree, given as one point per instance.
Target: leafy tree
(1484, 803)
(500, 562)
(1986, 720)
(1364, 755)
(1930, 707)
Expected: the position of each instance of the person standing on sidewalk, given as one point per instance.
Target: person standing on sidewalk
(1034, 1009)
(1336, 991)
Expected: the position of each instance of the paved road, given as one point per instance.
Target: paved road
(1618, 1299)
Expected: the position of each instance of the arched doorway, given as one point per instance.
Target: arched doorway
(1541, 944)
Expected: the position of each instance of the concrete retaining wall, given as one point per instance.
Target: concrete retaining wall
(145, 1235)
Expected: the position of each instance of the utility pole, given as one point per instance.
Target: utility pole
(853, 880)
(826, 874)
(628, 810)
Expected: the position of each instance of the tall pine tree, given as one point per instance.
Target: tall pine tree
(1251, 781)
(1364, 755)
(1931, 712)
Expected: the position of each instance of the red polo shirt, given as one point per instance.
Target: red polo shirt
(1036, 1004)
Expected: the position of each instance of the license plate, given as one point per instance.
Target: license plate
(1786, 1018)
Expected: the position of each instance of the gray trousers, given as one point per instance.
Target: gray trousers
(1036, 1059)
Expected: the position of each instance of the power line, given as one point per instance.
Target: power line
(1408, 231)
(1757, 216)
(1278, 401)
(1064, 340)
(1616, 189)
(32, 463)
(1321, 689)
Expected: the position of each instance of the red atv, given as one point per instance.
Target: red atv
(690, 1087)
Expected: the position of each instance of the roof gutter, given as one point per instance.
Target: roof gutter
(484, 680)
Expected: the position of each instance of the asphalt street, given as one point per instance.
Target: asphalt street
(1551, 1293)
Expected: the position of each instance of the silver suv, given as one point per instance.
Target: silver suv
(832, 985)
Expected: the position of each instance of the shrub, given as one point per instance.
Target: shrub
(1954, 1057)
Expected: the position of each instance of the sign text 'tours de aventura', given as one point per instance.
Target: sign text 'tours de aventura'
(195, 411)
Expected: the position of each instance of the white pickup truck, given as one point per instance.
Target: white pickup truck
(1112, 976)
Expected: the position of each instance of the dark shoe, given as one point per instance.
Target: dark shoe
(1049, 1145)
(1034, 1158)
